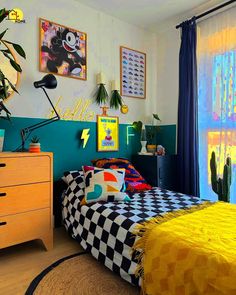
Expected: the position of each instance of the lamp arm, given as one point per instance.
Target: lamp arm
(25, 132)
(38, 125)
(55, 111)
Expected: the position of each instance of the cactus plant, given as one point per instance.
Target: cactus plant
(221, 186)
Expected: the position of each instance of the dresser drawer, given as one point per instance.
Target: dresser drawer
(23, 170)
(18, 199)
(15, 229)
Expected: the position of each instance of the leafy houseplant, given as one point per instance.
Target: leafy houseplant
(221, 186)
(5, 83)
(137, 125)
(116, 100)
(151, 132)
(35, 146)
(101, 95)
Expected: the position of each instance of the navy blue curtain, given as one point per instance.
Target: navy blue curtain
(187, 144)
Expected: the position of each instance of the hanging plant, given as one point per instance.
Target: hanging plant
(116, 100)
(101, 95)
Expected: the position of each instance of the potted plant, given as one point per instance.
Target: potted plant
(35, 146)
(151, 132)
(5, 83)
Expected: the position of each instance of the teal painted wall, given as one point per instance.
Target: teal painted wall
(63, 139)
(166, 137)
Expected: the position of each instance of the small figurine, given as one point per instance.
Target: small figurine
(160, 150)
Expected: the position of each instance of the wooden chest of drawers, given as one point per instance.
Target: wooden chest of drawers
(26, 198)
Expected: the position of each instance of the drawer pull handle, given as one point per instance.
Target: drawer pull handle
(3, 223)
(2, 195)
(3, 165)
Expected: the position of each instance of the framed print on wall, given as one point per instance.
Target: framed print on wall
(132, 72)
(62, 50)
(107, 133)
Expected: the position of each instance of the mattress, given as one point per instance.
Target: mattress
(106, 229)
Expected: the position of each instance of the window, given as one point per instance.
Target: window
(217, 98)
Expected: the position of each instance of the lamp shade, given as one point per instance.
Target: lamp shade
(49, 81)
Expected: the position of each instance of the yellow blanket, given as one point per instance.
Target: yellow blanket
(193, 254)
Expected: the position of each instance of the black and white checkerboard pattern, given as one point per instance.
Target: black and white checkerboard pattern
(105, 229)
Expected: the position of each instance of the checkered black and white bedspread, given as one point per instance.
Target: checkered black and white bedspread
(105, 229)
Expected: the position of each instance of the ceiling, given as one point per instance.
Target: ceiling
(149, 14)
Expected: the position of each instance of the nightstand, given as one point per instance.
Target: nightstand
(159, 171)
(26, 198)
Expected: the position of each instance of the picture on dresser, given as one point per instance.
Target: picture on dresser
(63, 51)
(107, 133)
(132, 73)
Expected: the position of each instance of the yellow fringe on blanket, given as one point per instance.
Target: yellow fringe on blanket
(144, 230)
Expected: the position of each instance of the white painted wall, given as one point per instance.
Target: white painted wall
(167, 75)
(105, 35)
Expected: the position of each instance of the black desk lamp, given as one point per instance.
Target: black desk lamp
(50, 82)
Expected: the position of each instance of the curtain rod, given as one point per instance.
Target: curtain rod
(210, 11)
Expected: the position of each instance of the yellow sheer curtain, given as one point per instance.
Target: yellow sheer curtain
(216, 53)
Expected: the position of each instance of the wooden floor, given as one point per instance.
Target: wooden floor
(20, 264)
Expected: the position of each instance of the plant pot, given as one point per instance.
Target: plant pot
(151, 148)
(34, 148)
(2, 132)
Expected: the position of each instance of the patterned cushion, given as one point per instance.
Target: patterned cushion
(104, 185)
(69, 176)
(133, 179)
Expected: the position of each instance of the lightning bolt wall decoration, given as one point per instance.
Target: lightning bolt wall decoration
(85, 136)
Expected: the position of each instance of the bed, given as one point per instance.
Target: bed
(106, 229)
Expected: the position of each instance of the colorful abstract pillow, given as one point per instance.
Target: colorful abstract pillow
(104, 185)
(133, 179)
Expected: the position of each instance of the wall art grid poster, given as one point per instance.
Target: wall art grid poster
(132, 73)
(63, 51)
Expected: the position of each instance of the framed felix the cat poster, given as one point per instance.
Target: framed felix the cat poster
(132, 73)
(62, 50)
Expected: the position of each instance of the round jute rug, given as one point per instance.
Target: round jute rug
(79, 274)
